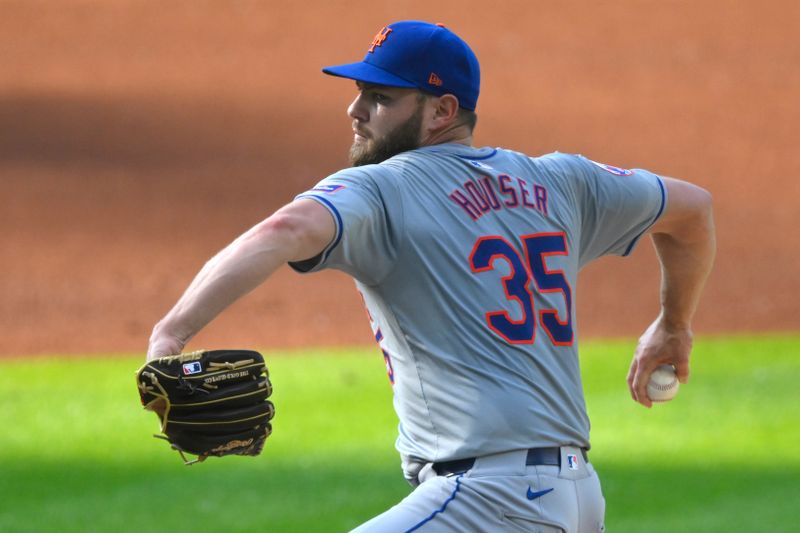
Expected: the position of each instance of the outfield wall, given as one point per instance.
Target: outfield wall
(138, 138)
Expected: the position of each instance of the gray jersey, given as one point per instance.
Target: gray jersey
(467, 260)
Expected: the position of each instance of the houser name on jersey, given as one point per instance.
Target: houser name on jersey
(479, 197)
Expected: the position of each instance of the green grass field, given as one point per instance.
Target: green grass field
(723, 456)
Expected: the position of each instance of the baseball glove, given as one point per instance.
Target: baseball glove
(209, 402)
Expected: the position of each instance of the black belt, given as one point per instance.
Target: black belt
(536, 456)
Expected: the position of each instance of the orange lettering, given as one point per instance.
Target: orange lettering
(379, 38)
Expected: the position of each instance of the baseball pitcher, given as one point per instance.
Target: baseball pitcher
(467, 259)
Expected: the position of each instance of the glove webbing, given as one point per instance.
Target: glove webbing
(163, 395)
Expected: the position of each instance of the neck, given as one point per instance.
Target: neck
(458, 134)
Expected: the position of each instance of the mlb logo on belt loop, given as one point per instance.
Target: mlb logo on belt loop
(192, 368)
(572, 461)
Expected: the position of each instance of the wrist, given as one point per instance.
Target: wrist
(675, 324)
(165, 329)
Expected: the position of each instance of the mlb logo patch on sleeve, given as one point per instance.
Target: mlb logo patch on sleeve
(192, 368)
(328, 189)
(614, 170)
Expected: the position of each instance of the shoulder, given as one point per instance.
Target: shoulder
(582, 171)
(557, 163)
(364, 179)
(563, 163)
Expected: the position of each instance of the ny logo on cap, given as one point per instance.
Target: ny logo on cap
(379, 38)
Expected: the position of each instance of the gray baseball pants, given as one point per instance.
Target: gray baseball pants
(501, 493)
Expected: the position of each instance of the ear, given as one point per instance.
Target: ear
(445, 111)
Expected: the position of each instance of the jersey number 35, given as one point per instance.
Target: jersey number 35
(517, 285)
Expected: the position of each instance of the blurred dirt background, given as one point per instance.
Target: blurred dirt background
(137, 138)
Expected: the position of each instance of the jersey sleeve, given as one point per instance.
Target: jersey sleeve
(364, 245)
(615, 206)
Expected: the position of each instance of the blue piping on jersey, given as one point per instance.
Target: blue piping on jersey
(658, 215)
(477, 158)
(441, 509)
(339, 223)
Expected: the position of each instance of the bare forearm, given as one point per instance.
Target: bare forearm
(685, 243)
(298, 231)
(225, 278)
(686, 259)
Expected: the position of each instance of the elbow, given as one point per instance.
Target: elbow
(278, 231)
(700, 216)
(287, 235)
(279, 224)
(691, 199)
(705, 209)
(704, 202)
(296, 232)
(689, 210)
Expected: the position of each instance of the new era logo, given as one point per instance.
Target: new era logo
(192, 368)
(433, 79)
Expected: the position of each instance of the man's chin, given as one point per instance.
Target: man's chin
(377, 150)
(362, 153)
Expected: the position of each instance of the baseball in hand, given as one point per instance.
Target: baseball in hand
(663, 384)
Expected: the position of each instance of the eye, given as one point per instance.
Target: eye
(380, 98)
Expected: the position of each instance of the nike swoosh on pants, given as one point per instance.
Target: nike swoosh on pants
(533, 495)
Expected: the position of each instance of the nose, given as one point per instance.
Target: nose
(357, 110)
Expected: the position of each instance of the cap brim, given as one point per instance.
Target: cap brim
(367, 73)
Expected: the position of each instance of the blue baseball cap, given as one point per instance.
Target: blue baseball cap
(420, 55)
